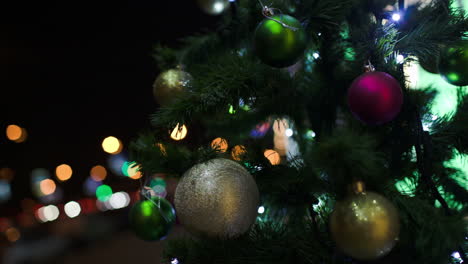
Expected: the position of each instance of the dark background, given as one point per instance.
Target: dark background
(75, 72)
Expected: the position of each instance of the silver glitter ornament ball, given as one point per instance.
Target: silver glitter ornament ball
(213, 7)
(218, 198)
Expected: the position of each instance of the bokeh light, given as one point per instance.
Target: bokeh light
(238, 152)
(260, 130)
(179, 132)
(261, 210)
(119, 200)
(72, 209)
(12, 234)
(104, 192)
(7, 174)
(51, 213)
(90, 186)
(63, 172)
(112, 145)
(158, 185)
(219, 144)
(162, 148)
(273, 156)
(16, 133)
(47, 186)
(98, 173)
(5, 191)
(115, 163)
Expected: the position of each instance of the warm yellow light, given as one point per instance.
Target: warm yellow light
(112, 145)
(238, 152)
(47, 186)
(12, 234)
(134, 172)
(179, 133)
(98, 173)
(16, 133)
(272, 156)
(63, 172)
(162, 148)
(219, 144)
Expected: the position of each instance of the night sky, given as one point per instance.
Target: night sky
(73, 73)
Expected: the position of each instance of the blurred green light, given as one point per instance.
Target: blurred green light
(157, 182)
(232, 110)
(407, 186)
(103, 192)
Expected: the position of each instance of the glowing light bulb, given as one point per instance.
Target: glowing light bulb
(112, 145)
(179, 132)
(63, 172)
(273, 156)
(238, 152)
(316, 55)
(261, 210)
(400, 59)
(289, 132)
(219, 144)
(396, 17)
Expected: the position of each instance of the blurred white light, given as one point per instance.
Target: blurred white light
(289, 132)
(396, 17)
(40, 215)
(174, 261)
(457, 256)
(319, 34)
(261, 210)
(72, 209)
(316, 55)
(434, 117)
(51, 213)
(400, 59)
(119, 200)
(218, 7)
(103, 206)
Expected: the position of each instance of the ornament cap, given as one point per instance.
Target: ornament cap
(369, 67)
(358, 187)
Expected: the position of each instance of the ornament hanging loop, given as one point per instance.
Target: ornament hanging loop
(369, 67)
(269, 12)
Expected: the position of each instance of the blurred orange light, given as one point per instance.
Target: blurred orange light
(238, 152)
(47, 186)
(63, 172)
(6, 174)
(162, 148)
(179, 133)
(272, 156)
(16, 133)
(112, 145)
(98, 173)
(12, 234)
(219, 144)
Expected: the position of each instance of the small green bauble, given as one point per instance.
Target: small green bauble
(453, 65)
(277, 45)
(152, 219)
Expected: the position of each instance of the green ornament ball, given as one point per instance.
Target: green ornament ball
(453, 64)
(277, 45)
(152, 219)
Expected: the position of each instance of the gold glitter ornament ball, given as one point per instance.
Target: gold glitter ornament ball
(218, 198)
(171, 84)
(365, 225)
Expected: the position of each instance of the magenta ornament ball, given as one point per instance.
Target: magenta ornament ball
(375, 98)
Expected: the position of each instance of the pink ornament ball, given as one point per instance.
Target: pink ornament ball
(375, 98)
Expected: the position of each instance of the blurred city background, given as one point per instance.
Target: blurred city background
(76, 87)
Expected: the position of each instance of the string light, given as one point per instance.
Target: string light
(396, 17)
(261, 210)
(219, 144)
(179, 133)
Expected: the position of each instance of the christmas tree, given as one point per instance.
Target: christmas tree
(300, 135)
